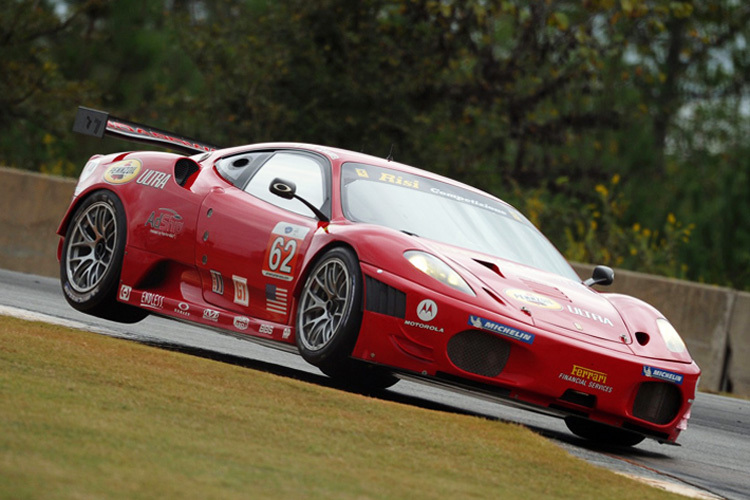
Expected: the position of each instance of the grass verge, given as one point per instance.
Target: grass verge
(87, 416)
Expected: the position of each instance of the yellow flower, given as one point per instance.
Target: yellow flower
(636, 227)
(602, 190)
(615, 179)
(671, 219)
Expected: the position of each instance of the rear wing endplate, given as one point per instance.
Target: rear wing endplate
(100, 123)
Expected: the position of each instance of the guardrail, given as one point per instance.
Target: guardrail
(713, 320)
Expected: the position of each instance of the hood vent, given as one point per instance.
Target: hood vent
(549, 291)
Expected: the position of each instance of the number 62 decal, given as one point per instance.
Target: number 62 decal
(281, 252)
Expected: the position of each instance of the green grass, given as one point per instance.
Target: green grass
(87, 416)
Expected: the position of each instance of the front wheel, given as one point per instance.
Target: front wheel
(92, 259)
(329, 317)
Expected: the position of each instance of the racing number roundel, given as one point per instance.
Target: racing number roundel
(282, 251)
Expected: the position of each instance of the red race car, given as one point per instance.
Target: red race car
(372, 271)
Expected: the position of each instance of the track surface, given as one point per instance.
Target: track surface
(714, 457)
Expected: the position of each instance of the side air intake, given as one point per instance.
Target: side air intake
(384, 299)
(478, 352)
(183, 169)
(657, 402)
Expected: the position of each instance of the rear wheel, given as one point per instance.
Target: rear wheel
(92, 259)
(602, 433)
(329, 316)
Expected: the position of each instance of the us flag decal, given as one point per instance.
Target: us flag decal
(276, 299)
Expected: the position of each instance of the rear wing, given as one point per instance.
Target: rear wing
(100, 123)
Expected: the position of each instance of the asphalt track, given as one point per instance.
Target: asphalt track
(714, 458)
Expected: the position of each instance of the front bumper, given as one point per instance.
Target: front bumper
(480, 348)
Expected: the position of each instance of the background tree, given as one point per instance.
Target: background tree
(616, 125)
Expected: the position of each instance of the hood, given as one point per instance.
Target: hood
(546, 298)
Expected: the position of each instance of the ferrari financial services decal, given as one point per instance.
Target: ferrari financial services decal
(587, 377)
(507, 331)
(651, 372)
(533, 299)
(282, 250)
(122, 172)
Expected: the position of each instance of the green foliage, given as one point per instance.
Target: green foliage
(540, 102)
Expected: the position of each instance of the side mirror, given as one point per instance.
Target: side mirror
(288, 190)
(602, 275)
(282, 188)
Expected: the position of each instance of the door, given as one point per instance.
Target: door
(250, 241)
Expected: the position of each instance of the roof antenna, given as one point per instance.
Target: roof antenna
(390, 153)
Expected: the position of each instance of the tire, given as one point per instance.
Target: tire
(91, 259)
(329, 315)
(601, 433)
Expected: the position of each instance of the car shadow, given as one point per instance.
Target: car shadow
(397, 397)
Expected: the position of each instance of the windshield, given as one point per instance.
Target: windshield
(446, 213)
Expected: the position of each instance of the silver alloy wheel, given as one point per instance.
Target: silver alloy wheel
(324, 302)
(91, 247)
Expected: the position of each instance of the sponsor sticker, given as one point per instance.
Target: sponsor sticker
(587, 377)
(165, 222)
(533, 299)
(152, 300)
(153, 178)
(281, 254)
(217, 282)
(427, 310)
(652, 372)
(505, 330)
(182, 309)
(122, 172)
(211, 315)
(287, 333)
(267, 329)
(276, 299)
(125, 292)
(424, 326)
(586, 314)
(241, 322)
(241, 295)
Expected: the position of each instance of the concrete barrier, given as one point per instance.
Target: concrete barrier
(738, 366)
(713, 321)
(31, 206)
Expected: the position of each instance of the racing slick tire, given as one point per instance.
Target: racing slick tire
(91, 259)
(601, 433)
(329, 315)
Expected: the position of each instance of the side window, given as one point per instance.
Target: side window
(237, 169)
(307, 171)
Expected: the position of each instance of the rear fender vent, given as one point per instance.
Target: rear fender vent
(183, 170)
(479, 353)
(384, 299)
(657, 402)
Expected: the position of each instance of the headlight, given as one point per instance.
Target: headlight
(671, 338)
(436, 268)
